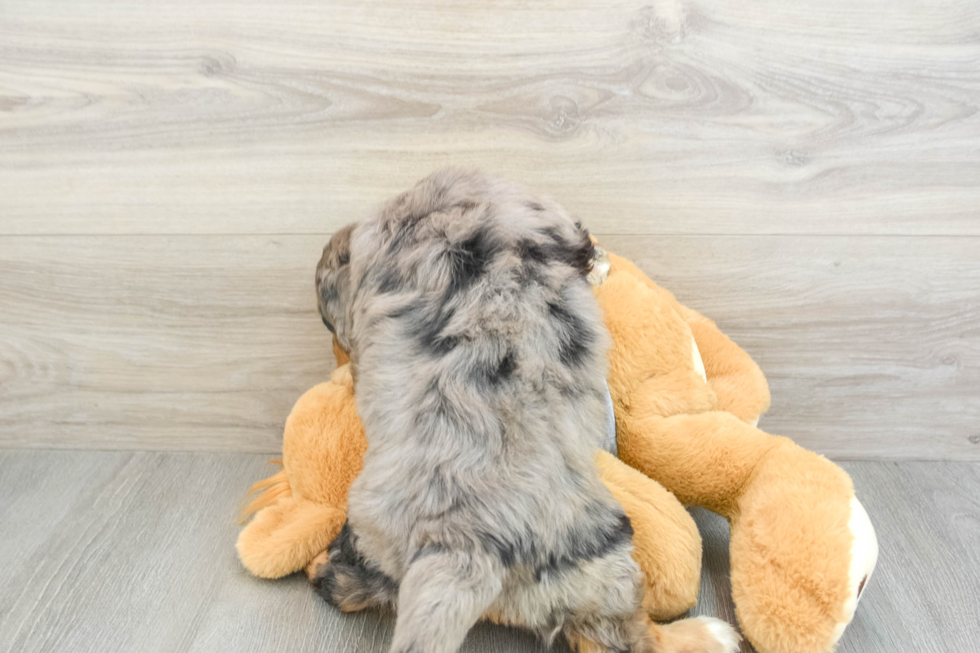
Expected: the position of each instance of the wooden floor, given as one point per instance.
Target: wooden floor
(107, 552)
(806, 174)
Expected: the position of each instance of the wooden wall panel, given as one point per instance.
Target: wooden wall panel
(807, 175)
(871, 344)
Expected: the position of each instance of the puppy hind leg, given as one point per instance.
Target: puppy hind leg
(610, 634)
(347, 581)
(694, 635)
(442, 595)
(638, 634)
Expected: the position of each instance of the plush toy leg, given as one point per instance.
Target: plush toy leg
(653, 315)
(738, 383)
(702, 458)
(282, 538)
(801, 546)
(666, 542)
(653, 347)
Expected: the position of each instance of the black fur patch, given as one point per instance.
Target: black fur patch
(583, 252)
(577, 254)
(528, 250)
(430, 333)
(507, 551)
(583, 547)
(580, 546)
(429, 549)
(427, 330)
(330, 292)
(574, 335)
(504, 369)
(495, 372)
(390, 281)
(468, 261)
(327, 324)
(534, 206)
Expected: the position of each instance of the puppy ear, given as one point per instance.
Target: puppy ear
(333, 285)
(583, 250)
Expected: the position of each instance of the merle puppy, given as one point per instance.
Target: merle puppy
(478, 355)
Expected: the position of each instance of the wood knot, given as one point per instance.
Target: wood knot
(214, 65)
(661, 22)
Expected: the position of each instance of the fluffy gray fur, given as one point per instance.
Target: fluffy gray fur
(478, 353)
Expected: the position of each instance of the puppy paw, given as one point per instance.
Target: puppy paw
(726, 638)
(315, 564)
(698, 635)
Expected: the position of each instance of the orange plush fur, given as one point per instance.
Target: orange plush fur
(801, 545)
(686, 399)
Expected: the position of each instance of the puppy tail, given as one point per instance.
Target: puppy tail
(695, 635)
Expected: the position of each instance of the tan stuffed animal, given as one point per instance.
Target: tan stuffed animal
(802, 547)
(686, 401)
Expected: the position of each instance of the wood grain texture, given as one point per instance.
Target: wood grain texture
(871, 344)
(181, 343)
(676, 116)
(923, 595)
(807, 176)
(110, 552)
(122, 552)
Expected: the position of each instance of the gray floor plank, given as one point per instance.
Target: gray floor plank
(113, 551)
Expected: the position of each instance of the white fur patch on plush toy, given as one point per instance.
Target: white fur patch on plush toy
(698, 361)
(864, 556)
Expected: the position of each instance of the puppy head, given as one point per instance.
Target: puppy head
(333, 286)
